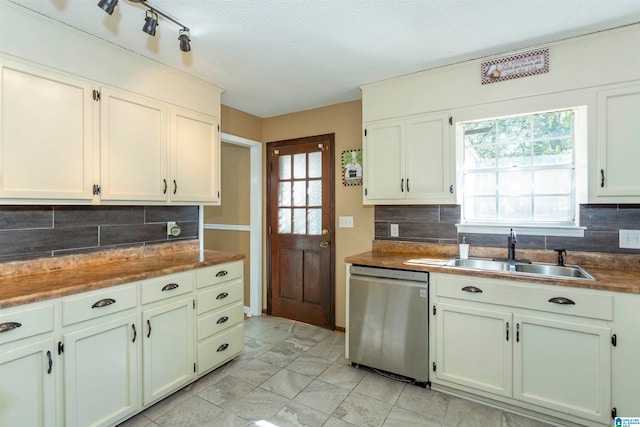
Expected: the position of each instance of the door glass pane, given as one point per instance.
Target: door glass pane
(299, 221)
(285, 167)
(284, 221)
(315, 193)
(299, 193)
(284, 194)
(314, 224)
(300, 166)
(315, 165)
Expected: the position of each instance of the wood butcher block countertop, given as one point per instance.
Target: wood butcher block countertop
(613, 272)
(31, 281)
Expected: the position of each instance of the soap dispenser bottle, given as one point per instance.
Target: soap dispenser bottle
(464, 249)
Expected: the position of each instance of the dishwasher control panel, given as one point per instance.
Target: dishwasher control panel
(389, 273)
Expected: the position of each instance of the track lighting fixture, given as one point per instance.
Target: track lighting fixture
(108, 5)
(185, 41)
(151, 21)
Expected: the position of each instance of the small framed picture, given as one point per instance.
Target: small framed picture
(352, 167)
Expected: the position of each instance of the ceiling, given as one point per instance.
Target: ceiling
(274, 57)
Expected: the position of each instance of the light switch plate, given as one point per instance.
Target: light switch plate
(345, 221)
(630, 239)
(394, 230)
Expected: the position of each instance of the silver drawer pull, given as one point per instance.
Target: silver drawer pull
(472, 289)
(103, 303)
(222, 273)
(223, 319)
(562, 300)
(170, 287)
(9, 326)
(223, 347)
(222, 295)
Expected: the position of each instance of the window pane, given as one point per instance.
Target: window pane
(285, 167)
(559, 123)
(480, 208)
(479, 133)
(284, 221)
(476, 184)
(513, 129)
(480, 157)
(514, 154)
(284, 194)
(514, 183)
(314, 222)
(315, 165)
(553, 152)
(300, 166)
(514, 208)
(299, 193)
(299, 221)
(552, 208)
(556, 181)
(315, 193)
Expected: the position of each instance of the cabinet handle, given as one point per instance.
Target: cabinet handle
(164, 189)
(149, 326)
(562, 301)
(472, 289)
(8, 326)
(135, 333)
(517, 332)
(507, 331)
(601, 178)
(223, 319)
(223, 347)
(103, 303)
(50, 362)
(408, 189)
(451, 189)
(222, 295)
(170, 287)
(222, 273)
(175, 186)
(60, 348)
(402, 185)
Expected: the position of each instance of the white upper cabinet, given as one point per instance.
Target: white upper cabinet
(133, 147)
(408, 161)
(46, 140)
(618, 145)
(195, 157)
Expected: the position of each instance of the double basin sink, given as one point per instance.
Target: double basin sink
(546, 270)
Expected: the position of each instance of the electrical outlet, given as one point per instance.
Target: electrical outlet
(630, 239)
(394, 230)
(345, 221)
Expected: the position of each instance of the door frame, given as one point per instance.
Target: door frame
(255, 221)
(332, 247)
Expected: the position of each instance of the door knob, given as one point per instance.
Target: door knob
(325, 231)
(324, 244)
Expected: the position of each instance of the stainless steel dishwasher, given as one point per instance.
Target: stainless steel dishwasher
(388, 320)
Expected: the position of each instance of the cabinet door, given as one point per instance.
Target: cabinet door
(27, 388)
(133, 147)
(46, 138)
(618, 144)
(168, 361)
(427, 159)
(100, 372)
(195, 158)
(473, 348)
(563, 366)
(383, 158)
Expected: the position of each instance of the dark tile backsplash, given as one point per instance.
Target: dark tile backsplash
(437, 224)
(42, 231)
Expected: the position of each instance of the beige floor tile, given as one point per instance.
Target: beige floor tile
(381, 388)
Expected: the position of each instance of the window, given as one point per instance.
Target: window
(520, 170)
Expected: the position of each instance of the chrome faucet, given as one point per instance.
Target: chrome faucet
(511, 246)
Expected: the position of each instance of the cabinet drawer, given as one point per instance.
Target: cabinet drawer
(220, 348)
(534, 296)
(25, 322)
(90, 305)
(219, 320)
(166, 286)
(216, 274)
(219, 296)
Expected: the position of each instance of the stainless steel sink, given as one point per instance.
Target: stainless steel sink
(515, 267)
(553, 270)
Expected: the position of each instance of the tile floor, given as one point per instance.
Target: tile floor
(294, 374)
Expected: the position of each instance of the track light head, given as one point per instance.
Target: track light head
(108, 5)
(150, 23)
(185, 41)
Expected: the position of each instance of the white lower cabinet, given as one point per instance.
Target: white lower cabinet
(543, 348)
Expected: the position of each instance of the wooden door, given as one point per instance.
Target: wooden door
(300, 215)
